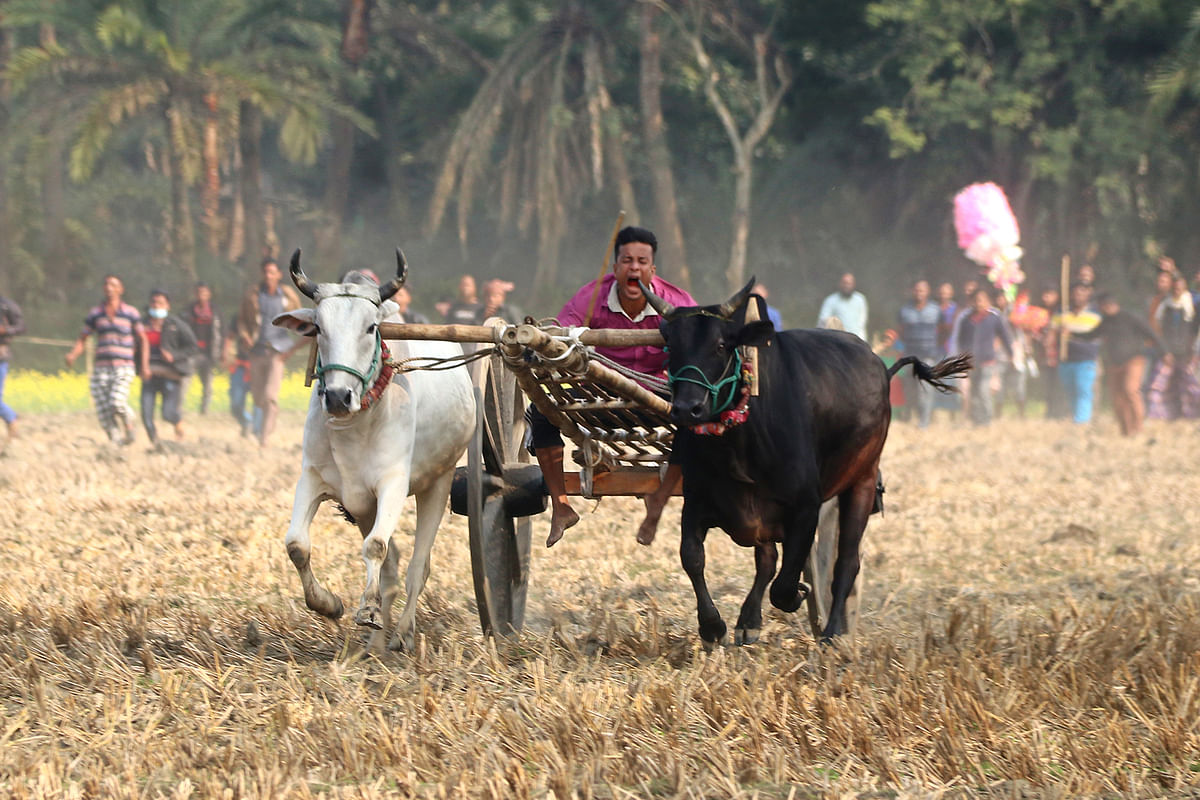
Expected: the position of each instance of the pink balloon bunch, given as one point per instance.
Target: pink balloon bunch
(988, 234)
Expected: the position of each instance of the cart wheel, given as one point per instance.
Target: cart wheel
(818, 572)
(500, 544)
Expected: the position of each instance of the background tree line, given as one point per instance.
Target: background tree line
(170, 142)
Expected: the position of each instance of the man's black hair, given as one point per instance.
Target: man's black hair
(1106, 297)
(631, 233)
(268, 260)
(160, 293)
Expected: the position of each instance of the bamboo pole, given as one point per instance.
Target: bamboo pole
(484, 334)
(612, 242)
(1064, 292)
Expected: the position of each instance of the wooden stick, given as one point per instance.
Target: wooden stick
(1065, 282)
(752, 352)
(612, 242)
(483, 334)
(310, 371)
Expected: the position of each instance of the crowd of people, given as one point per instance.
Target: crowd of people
(166, 350)
(1045, 349)
(1030, 348)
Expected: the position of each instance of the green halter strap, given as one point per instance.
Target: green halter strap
(714, 389)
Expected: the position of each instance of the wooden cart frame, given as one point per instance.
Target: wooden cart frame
(622, 436)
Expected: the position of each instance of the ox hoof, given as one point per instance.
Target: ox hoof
(402, 644)
(790, 602)
(328, 605)
(712, 634)
(369, 618)
(743, 636)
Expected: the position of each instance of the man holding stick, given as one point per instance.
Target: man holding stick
(622, 305)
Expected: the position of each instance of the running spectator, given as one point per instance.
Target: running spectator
(847, 306)
(918, 336)
(773, 314)
(464, 310)
(403, 299)
(1123, 338)
(978, 332)
(172, 347)
(12, 323)
(495, 303)
(1078, 370)
(202, 318)
(120, 338)
(269, 345)
(1174, 391)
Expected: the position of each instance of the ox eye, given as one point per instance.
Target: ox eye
(372, 328)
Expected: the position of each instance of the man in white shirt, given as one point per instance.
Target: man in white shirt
(847, 306)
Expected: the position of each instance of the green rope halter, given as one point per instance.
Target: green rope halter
(714, 389)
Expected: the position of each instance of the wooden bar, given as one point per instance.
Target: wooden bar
(485, 334)
(627, 483)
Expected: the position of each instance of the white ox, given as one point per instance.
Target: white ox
(373, 438)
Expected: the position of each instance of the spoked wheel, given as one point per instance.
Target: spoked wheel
(818, 573)
(500, 540)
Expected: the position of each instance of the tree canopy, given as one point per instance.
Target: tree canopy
(789, 140)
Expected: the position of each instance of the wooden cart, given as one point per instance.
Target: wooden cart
(621, 434)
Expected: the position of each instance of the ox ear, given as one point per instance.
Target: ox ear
(301, 320)
(755, 334)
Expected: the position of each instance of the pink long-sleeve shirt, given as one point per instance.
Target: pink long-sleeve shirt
(609, 314)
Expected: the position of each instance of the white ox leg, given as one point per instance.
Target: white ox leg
(388, 509)
(431, 507)
(299, 547)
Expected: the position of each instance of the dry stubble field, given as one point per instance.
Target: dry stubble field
(1030, 629)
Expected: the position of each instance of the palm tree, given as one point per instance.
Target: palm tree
(183, 71)
(544, 118)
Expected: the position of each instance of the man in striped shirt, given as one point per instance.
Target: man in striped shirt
(120, 341)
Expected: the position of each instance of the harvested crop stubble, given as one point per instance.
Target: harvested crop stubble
(154, 642)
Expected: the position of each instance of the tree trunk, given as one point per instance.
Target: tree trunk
(54, 209)
(743, 185)
(249, 137)
(183, 233)
(337, 192)
(6, 204)
(658, 154)
(212, 176)
(355, 44)
(399, 212)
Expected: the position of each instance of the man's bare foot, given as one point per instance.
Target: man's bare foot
(559, 522)
(649, 527)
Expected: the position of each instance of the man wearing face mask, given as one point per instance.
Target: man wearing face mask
(172, 348)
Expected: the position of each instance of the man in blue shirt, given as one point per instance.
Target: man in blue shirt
(919, 336)
(847, 306)
(977, 333)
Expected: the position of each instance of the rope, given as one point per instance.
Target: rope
(435, 364)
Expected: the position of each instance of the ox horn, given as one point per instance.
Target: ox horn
(393, 286)
(300, 279)
(664, 309)
(734, 303)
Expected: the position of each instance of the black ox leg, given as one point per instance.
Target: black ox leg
(787, 594)
(691, 555)
(749, 623)
(854, 506)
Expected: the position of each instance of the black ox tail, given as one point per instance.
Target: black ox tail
(936, 376)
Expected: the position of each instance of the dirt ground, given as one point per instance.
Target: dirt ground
(1029, 629)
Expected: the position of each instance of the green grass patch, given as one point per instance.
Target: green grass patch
(31, 392)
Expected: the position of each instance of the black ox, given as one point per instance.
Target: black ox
(759, 468)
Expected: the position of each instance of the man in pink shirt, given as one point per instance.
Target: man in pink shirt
(619, 304)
